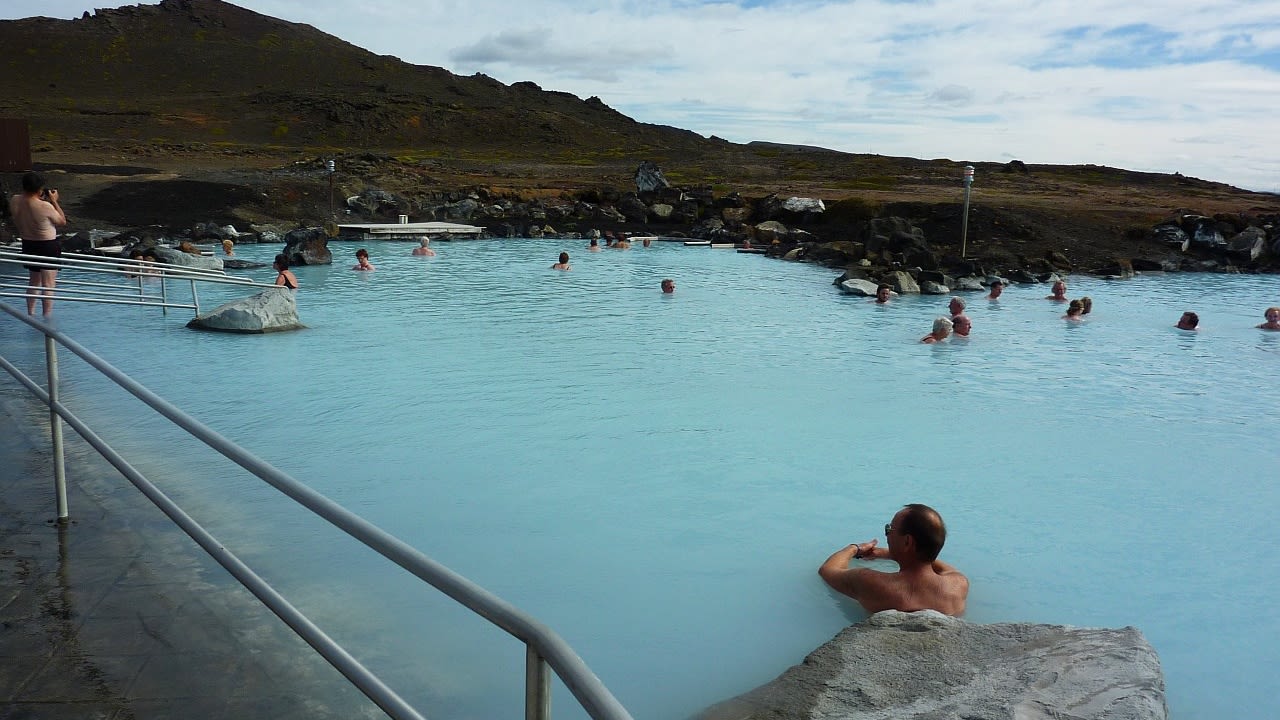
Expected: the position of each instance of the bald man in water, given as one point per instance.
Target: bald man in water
(922, 582)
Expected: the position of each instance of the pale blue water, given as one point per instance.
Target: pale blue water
(658, 478)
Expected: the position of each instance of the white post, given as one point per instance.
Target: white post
(964, 222)
(55, 428)
(331, 167)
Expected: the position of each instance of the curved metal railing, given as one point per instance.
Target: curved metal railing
(544, 648)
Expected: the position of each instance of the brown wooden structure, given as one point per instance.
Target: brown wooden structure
(15, 145)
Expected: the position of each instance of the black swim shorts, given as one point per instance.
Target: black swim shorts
(45, 248)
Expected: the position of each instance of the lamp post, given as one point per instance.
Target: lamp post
(964, 222)
(331, 167)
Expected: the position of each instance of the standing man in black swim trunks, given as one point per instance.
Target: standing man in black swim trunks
(38, 216)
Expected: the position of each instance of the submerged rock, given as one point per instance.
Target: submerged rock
(927, 665)
(272, 310)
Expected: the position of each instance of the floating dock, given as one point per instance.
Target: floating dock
(408, 231)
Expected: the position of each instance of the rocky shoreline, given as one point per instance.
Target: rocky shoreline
(912, 246)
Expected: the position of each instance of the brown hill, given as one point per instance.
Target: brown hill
(125, 101)
(207, 71)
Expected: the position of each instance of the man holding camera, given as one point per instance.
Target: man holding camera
(37, 216)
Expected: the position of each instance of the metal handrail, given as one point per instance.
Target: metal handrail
(543, 646)
(71, 290)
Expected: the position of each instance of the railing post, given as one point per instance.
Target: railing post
(55, 428)
(537, 686)
(195, 296)
(164, 294)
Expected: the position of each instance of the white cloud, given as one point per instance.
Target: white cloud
(1089, 81)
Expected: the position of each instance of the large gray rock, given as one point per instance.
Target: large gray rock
(902, 283)
(272, 310)
(1249, 244)
(633, 209)
(771, 230)
(661, 211)
(929, 287)
(856, 286)
(177, 258)
(894, 234)
(1172, 235)
(803, 205)
(463, 210)
(307, 246)
(649, 178)
(1207, 235)
(736, 215)
(374, 202)
(925, 665)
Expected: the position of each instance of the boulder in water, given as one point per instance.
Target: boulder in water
(272, 310)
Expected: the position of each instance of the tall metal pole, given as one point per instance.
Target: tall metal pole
(331, 167)
(964, 222)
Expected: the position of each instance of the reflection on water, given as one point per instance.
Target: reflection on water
(658, 478)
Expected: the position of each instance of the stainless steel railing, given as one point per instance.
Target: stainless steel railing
(150, 278)
(544, 649)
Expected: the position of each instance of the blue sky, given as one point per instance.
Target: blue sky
(1179, 86)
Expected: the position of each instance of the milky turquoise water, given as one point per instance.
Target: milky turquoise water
(659, 477)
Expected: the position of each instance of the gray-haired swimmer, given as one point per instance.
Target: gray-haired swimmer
(424, 249)
(941, 331)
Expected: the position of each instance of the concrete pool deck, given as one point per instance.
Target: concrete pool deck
(117, 614)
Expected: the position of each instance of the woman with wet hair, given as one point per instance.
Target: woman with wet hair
(284, 276)
(1272, 316)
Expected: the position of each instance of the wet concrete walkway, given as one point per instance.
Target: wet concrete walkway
(118, 615)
